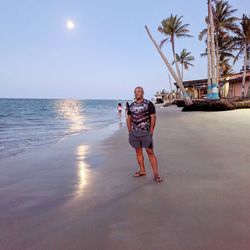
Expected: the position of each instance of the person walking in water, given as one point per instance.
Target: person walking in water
(141, 122)
(119, 108)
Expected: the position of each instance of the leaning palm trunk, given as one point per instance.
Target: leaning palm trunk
(244, 73)
(187, 99)
(170, 85)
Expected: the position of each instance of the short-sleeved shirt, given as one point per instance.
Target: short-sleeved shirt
(140, 117)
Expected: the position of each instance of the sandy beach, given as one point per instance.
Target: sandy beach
(74, 195)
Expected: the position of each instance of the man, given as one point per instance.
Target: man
(141, 121)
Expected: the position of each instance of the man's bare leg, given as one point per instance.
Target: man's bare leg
(153, 161)
(140, 159)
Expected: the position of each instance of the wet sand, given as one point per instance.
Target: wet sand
(83, 196)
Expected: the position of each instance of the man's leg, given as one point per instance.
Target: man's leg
(140, 159)
(153, 161)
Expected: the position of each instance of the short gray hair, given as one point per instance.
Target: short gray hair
(139, 87)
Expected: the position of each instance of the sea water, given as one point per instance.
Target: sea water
(26, 124)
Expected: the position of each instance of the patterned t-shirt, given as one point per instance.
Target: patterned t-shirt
(140, 117)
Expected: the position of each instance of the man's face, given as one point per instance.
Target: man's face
(139, 93)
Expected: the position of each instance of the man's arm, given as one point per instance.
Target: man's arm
(152, 113)
(153, 122)
(129, 123)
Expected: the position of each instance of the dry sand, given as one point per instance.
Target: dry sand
(79, 196)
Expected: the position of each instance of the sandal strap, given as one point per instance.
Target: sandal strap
(158, 178)
(139, 173)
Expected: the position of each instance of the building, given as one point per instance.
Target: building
(164, 96)
(230, 87)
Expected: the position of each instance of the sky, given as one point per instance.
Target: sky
(105, 56)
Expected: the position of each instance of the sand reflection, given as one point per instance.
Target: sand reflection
(82, 168)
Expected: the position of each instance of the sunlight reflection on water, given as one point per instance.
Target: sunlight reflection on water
(82, 168)
(72, 111)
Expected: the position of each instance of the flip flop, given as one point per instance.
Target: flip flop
(139, 174)
(158, 179)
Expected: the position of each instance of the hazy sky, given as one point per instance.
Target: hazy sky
(105, 56)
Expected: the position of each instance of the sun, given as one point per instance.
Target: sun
(70, 24)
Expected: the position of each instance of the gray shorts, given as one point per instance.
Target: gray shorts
(145, 141)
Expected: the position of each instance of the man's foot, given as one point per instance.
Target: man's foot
(139, 174)
(158, 178)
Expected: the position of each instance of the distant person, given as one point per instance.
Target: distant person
(119, 108)
(141, 122)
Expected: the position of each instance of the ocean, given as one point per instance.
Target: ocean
(26, 124)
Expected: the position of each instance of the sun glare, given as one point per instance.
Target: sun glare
(70, 24)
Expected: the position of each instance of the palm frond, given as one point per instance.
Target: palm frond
(202, 34)
(163, 42)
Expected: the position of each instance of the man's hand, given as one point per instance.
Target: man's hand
(152, 125)
(129, 123)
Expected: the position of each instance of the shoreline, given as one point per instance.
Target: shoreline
(91, 200)
(37, 124)
(86, 135)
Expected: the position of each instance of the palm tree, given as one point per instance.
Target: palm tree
(213, 62)
(185, 58)
(225, 43)
(223, 17)
(187, 99)
(224, 23)
(226, 68)
(242, 42)
(209, 80)
(170, 84)
(172, 27)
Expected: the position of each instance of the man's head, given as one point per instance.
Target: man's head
(138, 93)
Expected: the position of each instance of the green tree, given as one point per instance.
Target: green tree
(226, 68)
(187, 98)
(184, 59)
(172, 28)
(242, 43)
(225, 24)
